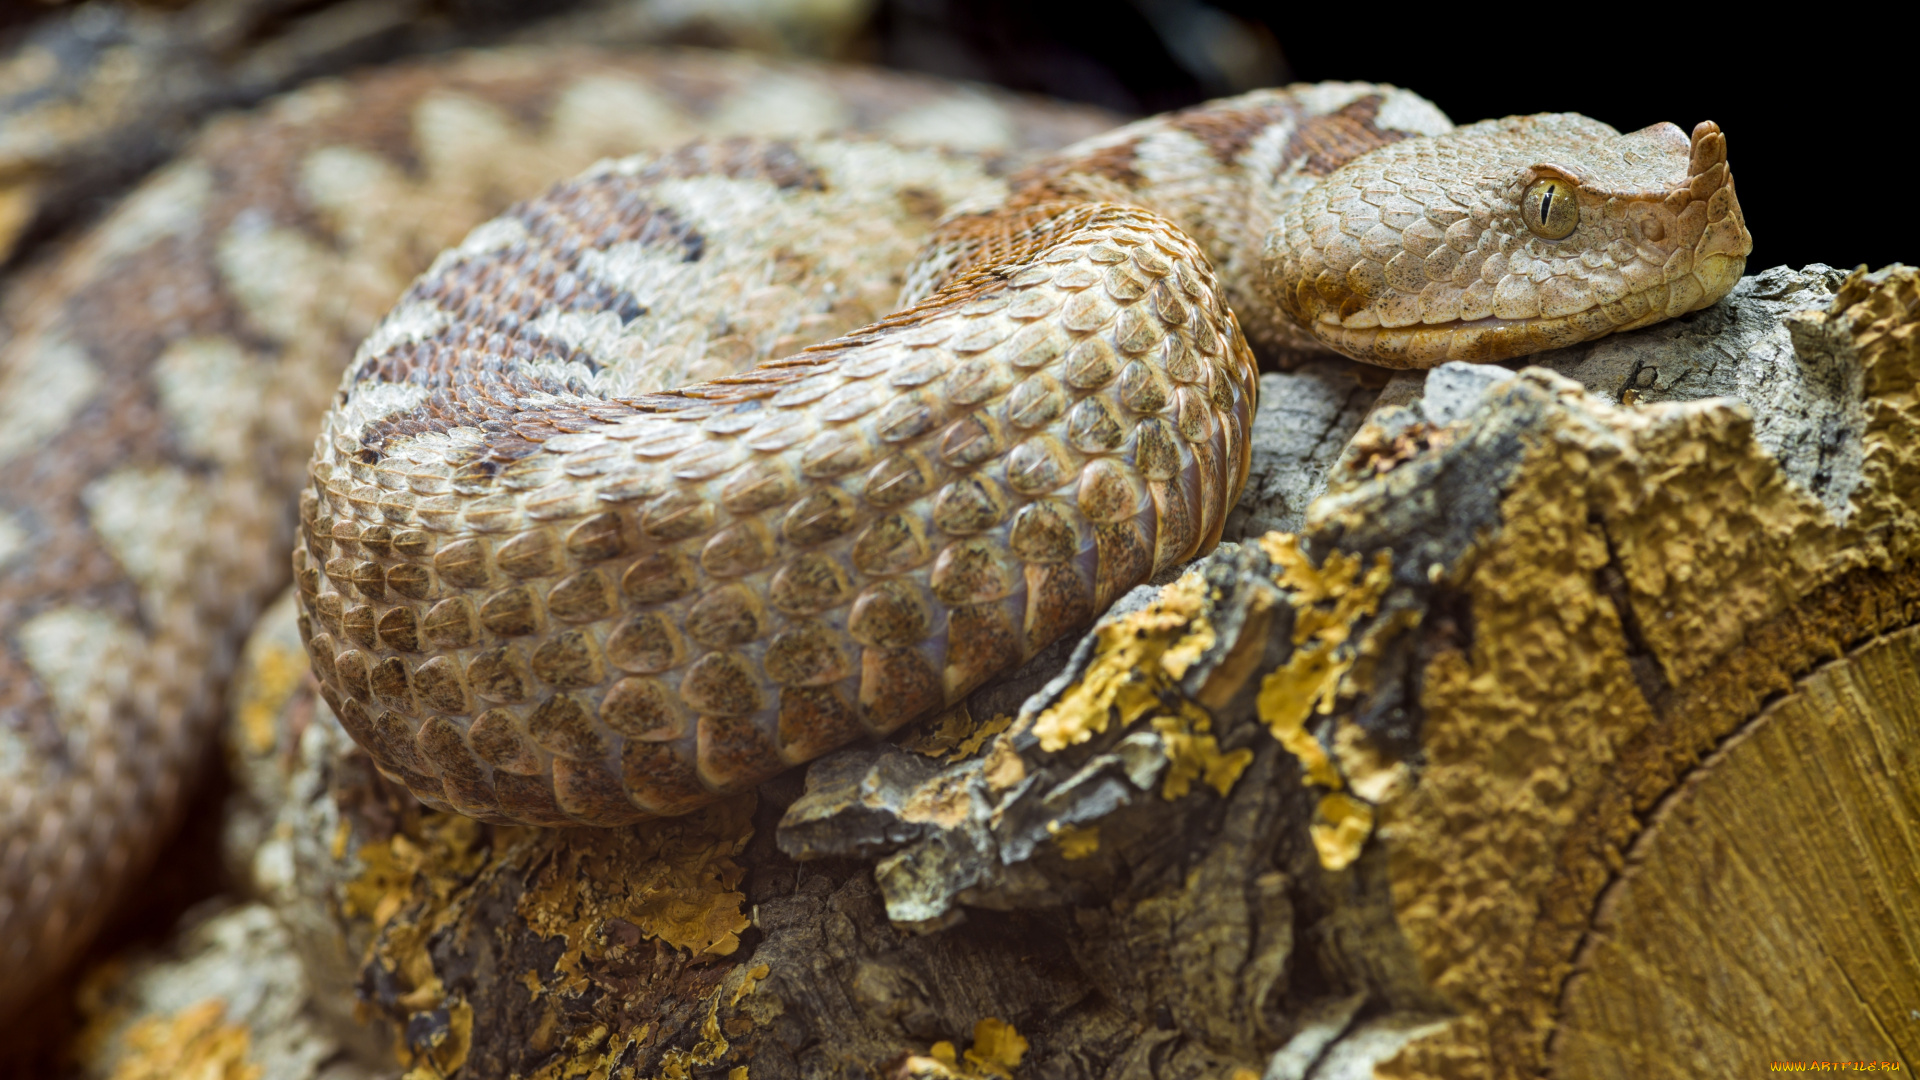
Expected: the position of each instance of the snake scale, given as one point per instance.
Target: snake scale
(714, 458)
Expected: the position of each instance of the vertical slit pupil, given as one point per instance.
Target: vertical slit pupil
(1546, 204)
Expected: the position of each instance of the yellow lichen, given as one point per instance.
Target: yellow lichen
(95, 998)
(749, 982)
(1340, 827)
(1129, 666)
(1135, 672)
(1193, 754)
(593, 1052)
(713, 1044)
(1368, 771)
(954, 735)
(1185, 652)
(1328, 602)
(1075, 841)
(1002, 767)
(997, 1048)
(531, 980)
(673, 879)
(405, 890)
(979, 736)
(18, 200)
(996, 1051)
(447, 1051)
(939, 736)
(448, 853)
(195, 1042)
(944, 800)
(588, 1052)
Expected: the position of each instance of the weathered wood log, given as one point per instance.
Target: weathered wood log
(1573, 731)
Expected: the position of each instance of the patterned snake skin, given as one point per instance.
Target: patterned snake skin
(640, 494)
(540, 584)
(161, 382)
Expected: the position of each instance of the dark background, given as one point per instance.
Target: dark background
(1818, 104)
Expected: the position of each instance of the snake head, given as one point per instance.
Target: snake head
(1509, 237)
(1656, 208)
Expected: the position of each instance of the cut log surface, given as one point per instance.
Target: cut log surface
(1774, 891)
(1553, 722)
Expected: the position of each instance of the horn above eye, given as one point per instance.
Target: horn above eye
(1551, 209)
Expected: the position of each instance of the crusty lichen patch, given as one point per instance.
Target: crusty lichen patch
(601, 892)
(1138, 661)
(674, 879)
(597, 1052)
(1194, 754)
(1075, 841)
(444, 1049)
(713, 1044)
(1340, 827)
(1329, 602)
(405, 891)
(399, 870)
(955, 735)
(996, 1051)
(268, 675)
(1136, 657)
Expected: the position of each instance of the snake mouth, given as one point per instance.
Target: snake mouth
(1493, 340)
(1477, 341)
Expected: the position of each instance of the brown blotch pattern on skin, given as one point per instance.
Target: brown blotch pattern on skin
(1049, 181)
(1227, 132)
(1324, 143)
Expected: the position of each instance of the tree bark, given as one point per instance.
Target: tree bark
(1571, 732)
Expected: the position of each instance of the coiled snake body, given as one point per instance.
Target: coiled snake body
(604, 521)
(537, 594)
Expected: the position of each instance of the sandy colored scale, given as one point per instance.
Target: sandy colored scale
(1771, 911)
(631, 613)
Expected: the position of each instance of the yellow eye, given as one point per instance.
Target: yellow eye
(1551, 209)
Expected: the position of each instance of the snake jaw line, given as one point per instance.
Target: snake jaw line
(1422, 251)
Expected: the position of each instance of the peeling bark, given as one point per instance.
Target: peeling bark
(1572, 732)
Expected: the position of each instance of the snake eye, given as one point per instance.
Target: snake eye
(1551, 209)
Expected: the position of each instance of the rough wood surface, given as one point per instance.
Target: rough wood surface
(1568, 736)
(1791, 849)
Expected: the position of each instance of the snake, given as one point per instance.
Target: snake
(720, 456)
